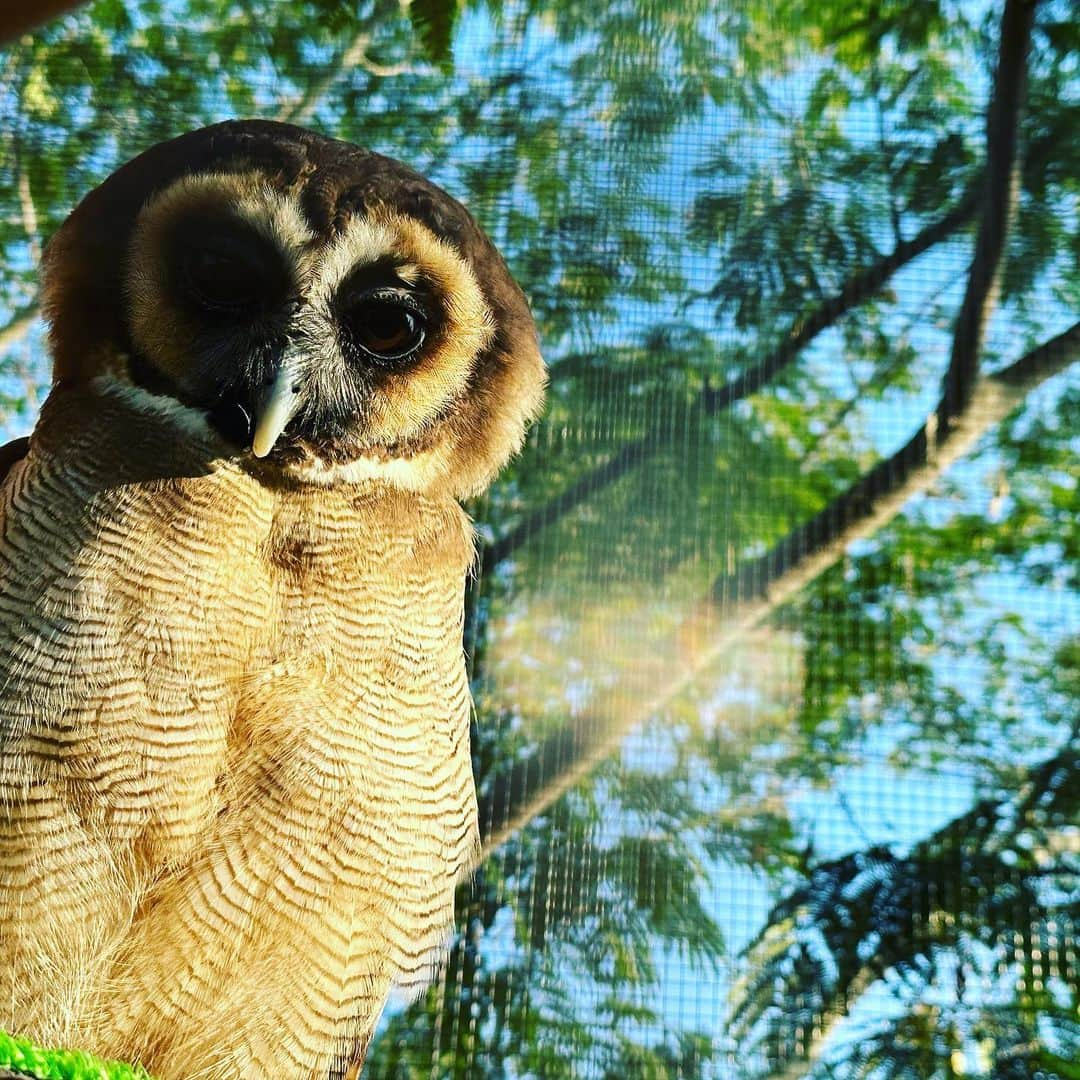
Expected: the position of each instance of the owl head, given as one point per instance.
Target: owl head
(321, 309)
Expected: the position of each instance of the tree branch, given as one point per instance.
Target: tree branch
(876, 382)
(1001, 179)
(355, 54)
(18, 326)
(618, 465)
(29, 213)
(856, 291)
(967, 409)
(739, 602)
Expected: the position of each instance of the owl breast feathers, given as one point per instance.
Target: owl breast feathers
(235, 781)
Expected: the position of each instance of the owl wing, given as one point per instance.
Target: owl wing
(11, 453)
(119, 648)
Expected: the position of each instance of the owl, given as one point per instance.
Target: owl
(235, 782)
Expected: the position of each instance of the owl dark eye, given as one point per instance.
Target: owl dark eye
(387, 325)
(223, 281)
(224, 269)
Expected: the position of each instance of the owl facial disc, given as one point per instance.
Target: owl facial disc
(317, 309)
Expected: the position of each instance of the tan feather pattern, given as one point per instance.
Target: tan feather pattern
(235, 783)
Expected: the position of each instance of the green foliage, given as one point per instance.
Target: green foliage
(965, 893)
(434, 23)
(582, 912)
(25, 1058)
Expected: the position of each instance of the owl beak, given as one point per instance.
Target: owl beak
(277, 404)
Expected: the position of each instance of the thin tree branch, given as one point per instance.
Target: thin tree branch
(23, 320)
(618, 465)
(876, 382)
(355, 55)
(18, 326)
(739, 602)
(33, 239)
(878, 497)
(29, 213)
(856, 291)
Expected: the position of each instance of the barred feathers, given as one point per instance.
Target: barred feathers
(235, 781)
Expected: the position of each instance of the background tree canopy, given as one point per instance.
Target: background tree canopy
(776, 644)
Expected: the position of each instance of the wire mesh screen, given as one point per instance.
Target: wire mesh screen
(775, 636)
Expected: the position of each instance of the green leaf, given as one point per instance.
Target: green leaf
(434, 21)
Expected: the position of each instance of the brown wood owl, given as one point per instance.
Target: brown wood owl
(235, 781)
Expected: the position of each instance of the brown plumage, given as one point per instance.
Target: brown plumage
(235, 781)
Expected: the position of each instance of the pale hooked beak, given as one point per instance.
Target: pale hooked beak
(277, 404)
